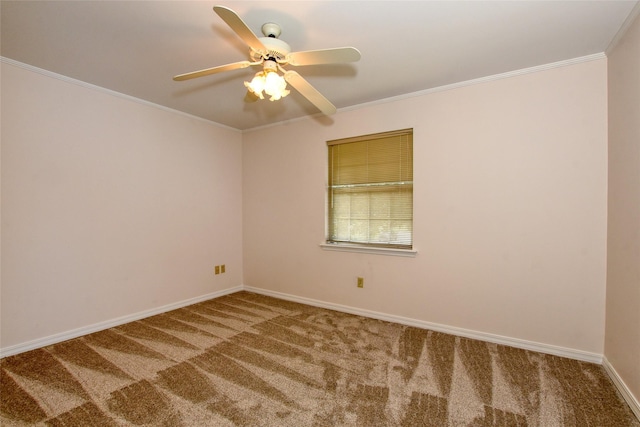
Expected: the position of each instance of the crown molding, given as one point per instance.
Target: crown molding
(101, 89)
(635, 12)
(486, 79)
(491, 78)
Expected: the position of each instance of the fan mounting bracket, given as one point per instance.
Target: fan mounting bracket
(271, 29)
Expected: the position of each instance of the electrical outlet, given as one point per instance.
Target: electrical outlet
(222, 268)
(217, 269)
(361, 282)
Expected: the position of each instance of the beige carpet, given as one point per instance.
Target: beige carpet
(250, 360)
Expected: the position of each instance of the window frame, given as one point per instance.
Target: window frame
(402, 184)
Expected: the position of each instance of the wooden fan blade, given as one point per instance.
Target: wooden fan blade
(240, 28)
(214, 70)
(324, 56)
(309, 92)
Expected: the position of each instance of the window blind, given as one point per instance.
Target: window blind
(370, 190)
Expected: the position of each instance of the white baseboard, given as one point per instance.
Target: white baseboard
(467, 333)
(622, 387)
(497, 339)
(75, 333)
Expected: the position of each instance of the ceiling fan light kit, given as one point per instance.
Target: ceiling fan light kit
(273, 53)
(269, 81)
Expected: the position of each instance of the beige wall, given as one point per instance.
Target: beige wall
(110, 207)
(622, 343)
(510, 209)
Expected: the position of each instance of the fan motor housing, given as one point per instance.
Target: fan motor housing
(276, 49)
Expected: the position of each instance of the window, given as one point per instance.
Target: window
(370, 190)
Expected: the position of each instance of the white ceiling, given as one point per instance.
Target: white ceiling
(136, 47)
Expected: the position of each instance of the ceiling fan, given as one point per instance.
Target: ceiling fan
(272, 54)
